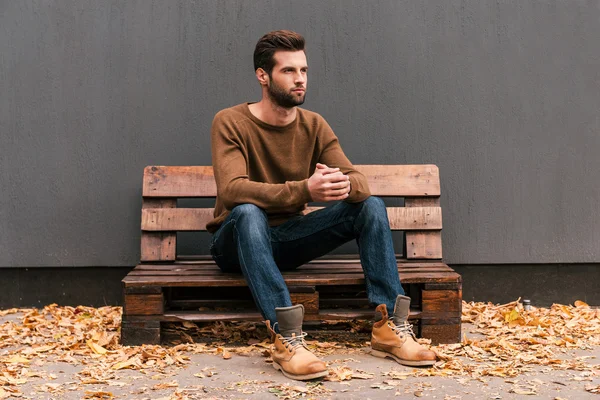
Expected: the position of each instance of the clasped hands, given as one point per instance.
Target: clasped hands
(328, 184)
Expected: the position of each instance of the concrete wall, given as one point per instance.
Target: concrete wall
(503, 95)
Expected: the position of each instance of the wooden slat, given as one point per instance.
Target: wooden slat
(313, 265)
(194, 181)
(136, 332)
(195, 219)
(158, 246)
(423, 244)
(310, 301)
(384, 180)
(402, 180)
(296, 280)
(143, 304)
(450, 333)
(324, 314)
(441, 302)
(315, 273)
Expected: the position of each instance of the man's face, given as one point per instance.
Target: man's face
(287, 83)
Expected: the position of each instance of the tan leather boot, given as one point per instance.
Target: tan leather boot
(289, 351)
(396, 340)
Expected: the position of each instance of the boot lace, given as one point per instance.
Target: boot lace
(293, 342)
(403, 329)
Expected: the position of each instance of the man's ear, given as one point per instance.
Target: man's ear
(262, 76)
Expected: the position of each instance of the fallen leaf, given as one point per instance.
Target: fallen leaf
(98, 395)
(16, 359)
(581, 304)
(95, 347)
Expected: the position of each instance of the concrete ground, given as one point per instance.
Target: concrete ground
(211, 376)
(252, 378)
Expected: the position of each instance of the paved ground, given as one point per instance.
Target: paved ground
(252, 378)
(209, 376)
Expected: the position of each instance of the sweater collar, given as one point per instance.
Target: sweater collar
(264, 125)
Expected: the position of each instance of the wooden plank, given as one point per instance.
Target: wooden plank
(423, 244)
(310, 301)
(195, 219)
(445, 286)
(316, 273)
(136, 333)
(158, 246)
(384, 180)
(191, 181)
(233, 281)
(142, 290)
(439, 301)
(143, 304)
(313, 264)
(441, 333)
(141, 271)
(324, 314)
(402, 180)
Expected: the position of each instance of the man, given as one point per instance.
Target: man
(271, 158)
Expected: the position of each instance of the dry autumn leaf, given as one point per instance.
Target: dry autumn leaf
(581, 304)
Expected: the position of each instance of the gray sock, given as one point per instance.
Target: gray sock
(401, 309)
(289, 320)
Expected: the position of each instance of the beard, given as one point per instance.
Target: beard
(284, 98)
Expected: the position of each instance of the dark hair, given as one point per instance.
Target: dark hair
(272, 42)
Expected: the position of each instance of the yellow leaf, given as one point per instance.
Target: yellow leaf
(226, 355)
(581, 304)
(513, 315)
(125, 364)
(42, 349)
(98, 395)
(16, 359)
(96, 348)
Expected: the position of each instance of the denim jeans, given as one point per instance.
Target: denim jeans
(245, 243)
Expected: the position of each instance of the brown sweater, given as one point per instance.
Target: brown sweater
(269, 166)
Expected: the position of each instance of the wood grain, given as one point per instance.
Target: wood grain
(158, 246)
(324, 314)
(143, 304)
(194, 181)
(423, 244)
(136, 333)
(384, 180)
(310, 301)
(195, 219)
(441, 333)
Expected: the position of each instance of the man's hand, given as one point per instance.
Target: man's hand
(328, 184)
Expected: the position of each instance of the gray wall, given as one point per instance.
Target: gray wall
(503, 95)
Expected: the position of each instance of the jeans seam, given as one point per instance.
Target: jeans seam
(243, 262)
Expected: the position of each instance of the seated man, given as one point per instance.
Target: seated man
(271, 158)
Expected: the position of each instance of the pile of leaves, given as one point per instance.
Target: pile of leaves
(514, 340)
(510, 341)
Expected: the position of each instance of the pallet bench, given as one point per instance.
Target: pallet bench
(166, 287)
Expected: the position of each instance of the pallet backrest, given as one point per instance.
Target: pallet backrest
(419, 185)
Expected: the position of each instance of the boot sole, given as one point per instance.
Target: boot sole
(424, 363)
(300, 377)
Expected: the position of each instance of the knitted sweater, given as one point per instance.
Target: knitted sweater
(269, 166)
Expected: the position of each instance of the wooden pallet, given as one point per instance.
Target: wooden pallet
(166, 287)
(329, 289)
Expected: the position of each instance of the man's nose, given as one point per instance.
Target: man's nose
(300, 78)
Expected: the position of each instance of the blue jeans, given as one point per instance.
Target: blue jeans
(245, 243)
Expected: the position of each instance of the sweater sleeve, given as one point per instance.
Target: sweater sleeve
(234, 187)
(333, 156)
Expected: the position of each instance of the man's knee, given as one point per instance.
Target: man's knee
(250, 216)
(374, 208)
